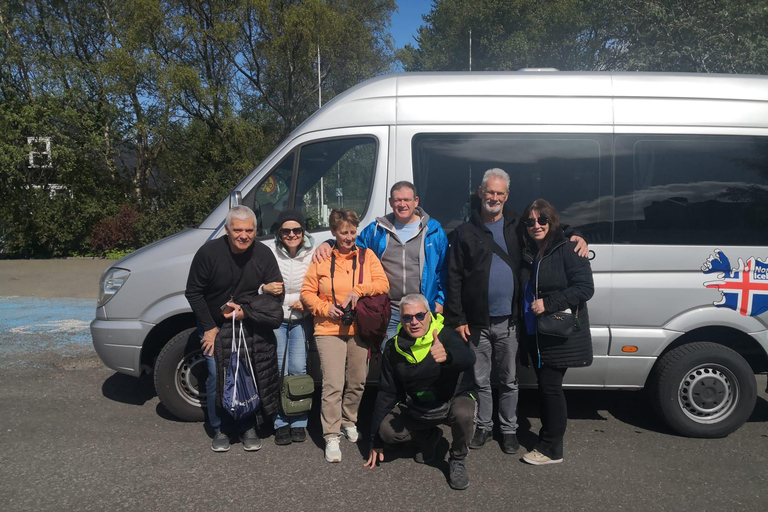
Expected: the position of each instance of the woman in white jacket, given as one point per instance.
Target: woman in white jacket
(293, 249)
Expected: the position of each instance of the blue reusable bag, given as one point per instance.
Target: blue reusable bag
(241, 396)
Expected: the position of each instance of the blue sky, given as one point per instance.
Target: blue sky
(407, 20)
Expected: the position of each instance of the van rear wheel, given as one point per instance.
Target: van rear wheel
(703, 389)
(180, 373)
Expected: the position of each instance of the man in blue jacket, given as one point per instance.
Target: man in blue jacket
(411, 247)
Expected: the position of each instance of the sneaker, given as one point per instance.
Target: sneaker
(479, 439)
(457, 474)
(283, 436)
(509, 443)
(332, 450)
(350, 433)
(537, 458)
(251, 441)
(426, 447)
(298, 434)
(220, 442)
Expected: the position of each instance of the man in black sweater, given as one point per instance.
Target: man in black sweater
(223, 274)
(426, 380)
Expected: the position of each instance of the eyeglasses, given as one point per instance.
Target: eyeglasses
(409, 318)
(288, 231)
(543, 221)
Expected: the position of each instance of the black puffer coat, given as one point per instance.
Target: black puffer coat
(564, 281)
(263, 313)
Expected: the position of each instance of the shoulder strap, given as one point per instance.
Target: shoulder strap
(501, 253)
(287, 341)
(361, 253)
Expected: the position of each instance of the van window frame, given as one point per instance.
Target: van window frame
(296, 151)
(300, 147)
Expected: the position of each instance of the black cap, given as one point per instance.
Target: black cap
(294, 215)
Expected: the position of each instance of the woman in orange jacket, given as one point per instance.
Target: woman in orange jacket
(330, 291)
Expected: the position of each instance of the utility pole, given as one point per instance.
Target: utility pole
(470, 50)
(319, 83)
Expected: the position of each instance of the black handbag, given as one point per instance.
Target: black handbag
(295, 390)
(558, 323)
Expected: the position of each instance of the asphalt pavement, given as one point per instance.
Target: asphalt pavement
(78, 436)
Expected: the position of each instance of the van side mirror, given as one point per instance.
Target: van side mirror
(235, 199)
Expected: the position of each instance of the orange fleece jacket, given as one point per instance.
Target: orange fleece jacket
(316, 290)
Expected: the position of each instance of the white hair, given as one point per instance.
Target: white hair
(240, 213)
(495, 173)
(414, 299)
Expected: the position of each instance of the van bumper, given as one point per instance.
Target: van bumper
(118, 343)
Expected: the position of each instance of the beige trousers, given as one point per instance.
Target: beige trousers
(344, 366)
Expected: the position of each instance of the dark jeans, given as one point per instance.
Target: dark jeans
(553, 410)
(399, 427)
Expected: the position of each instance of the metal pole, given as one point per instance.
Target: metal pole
(470, 50)
(319, 83)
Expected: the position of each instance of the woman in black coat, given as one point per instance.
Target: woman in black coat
(556, 279)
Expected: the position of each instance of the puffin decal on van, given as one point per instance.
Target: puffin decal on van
(744, 288)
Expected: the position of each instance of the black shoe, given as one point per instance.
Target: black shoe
(220, 442)
(457, 476)
(250, 440)
(509, 443)
(479, 439)
(298, 434)
(283, 436)
(425, 450)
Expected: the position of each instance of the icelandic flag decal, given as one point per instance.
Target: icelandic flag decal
(744, 288)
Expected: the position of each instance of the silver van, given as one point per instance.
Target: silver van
(665, 174)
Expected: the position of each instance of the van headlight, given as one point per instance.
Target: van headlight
(111, 281)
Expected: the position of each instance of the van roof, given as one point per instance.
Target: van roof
(494, 97)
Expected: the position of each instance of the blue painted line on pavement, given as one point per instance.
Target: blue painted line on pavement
(31, 324)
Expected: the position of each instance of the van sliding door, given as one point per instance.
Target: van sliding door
(570, 170)
(679, 199)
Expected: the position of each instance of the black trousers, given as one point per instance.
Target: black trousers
(399, 427)
(553, 410)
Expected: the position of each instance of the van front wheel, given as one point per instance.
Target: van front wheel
(180, 374)
(703, 389)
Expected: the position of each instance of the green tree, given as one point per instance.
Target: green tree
(50, 205)
(702, 36)
(156, 108)
(509, 35)
(275, 51)
(726, 36)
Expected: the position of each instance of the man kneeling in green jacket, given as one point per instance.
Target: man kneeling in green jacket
(427, 379)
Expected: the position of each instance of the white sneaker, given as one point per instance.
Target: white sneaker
(332, 450)
(350, 433)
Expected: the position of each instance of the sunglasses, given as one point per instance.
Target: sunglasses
(288, 231)
(409, 318)
(543, 221)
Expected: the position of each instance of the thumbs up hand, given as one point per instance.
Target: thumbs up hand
(438, 350)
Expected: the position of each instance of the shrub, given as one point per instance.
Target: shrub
(116, 233)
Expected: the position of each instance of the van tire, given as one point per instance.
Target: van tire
(724, 390)
(180, 374)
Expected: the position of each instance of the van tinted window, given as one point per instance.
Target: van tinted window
(569, 170)
(271, 196)
(335, 173)
(691, 190)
